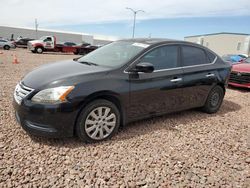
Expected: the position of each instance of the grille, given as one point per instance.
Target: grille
(239, 77)
(29, 46)
(21, 92)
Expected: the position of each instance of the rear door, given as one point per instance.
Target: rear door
(160, 91)
(199, 75)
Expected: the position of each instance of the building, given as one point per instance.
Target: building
(62, 36)
(223, 43)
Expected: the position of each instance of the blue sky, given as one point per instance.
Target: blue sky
(175, 28)
(168, 19)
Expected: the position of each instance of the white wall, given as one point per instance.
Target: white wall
(61, 36)
(224, 43)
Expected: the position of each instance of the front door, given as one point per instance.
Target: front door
(48, 43)
(160, 91)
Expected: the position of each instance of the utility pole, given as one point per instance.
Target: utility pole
(36, 27)
(135, 13)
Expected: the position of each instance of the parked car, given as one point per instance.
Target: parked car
(87, 49)
(83, 44)
(66, 44)
(232, 58)
(244, 56)
(23, 42)
(240, 75)
(119, 83)
(6, 45)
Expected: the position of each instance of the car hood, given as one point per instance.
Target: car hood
(241, 67)
(61, 73)
(35, 41)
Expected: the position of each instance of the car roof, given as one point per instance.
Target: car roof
(147, 40)
(152, 41)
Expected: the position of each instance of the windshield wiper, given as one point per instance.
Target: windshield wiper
(88, 63)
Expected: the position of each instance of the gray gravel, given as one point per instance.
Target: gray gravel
(186, 149)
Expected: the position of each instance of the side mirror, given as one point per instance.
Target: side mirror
(144, 67)
(76, 58)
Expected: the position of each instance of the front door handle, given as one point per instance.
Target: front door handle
(176, 80)
(210, 75)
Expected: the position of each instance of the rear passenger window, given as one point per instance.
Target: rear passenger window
(211, 56)
(164, 57)
(193, 56)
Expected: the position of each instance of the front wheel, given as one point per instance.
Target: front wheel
(39, 50)
(214, 100)
(6, 47)
(98, 121)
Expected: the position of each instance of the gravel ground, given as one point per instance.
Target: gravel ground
(186, 149)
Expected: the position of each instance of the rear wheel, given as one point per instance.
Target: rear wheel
(39, 50)
(98, 121)
(6, 47)
(214, 100)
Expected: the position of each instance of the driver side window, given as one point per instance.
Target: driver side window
(48, 39)
(164, 57)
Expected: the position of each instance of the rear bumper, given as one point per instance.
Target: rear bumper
(46, 120)
(239, 85)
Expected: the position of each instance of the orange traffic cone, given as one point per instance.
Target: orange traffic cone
(15, 60)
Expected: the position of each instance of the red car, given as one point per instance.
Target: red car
(240, 75)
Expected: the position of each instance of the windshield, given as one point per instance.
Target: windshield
(42, 38)
(114, 54)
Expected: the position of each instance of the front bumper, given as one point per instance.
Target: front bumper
(30, 47)
(13, 46)
(239, 85)
(46, 120)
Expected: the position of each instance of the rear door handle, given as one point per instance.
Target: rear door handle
(176, 80)
(210, 75)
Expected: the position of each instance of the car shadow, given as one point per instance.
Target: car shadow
(169, 122)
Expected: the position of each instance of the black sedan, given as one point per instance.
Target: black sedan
(23, 43)
(121, 82)
(86, 48)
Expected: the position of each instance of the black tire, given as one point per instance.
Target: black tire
(214, 100)
(33, 51)
(39, 50)
(6, 47)
(85, 113)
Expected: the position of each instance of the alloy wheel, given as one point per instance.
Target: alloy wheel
(100, 123)
(215, 99)
(39, 50)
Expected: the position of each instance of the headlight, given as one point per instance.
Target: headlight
(53, 95)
